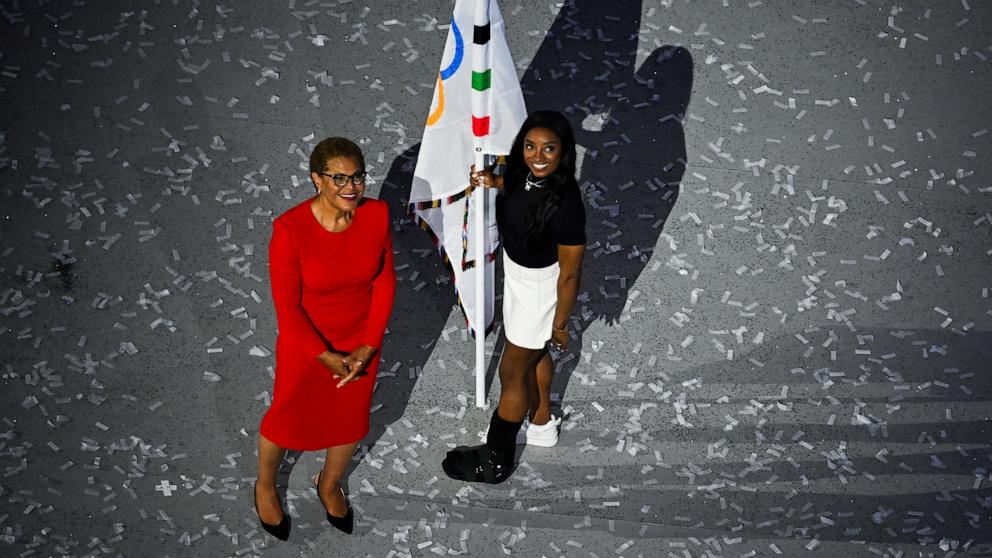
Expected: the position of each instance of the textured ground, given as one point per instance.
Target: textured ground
(781, 348)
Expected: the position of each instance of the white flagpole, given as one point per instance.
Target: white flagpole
(480, 289)
(481, 62)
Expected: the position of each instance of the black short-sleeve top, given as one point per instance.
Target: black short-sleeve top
(567, 226)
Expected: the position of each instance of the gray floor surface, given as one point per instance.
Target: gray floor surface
(781, 348)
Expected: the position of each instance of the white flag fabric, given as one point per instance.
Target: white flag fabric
(438, 195)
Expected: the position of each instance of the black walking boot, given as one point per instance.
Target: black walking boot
(491, 462)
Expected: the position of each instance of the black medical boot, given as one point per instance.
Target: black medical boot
(491, 462)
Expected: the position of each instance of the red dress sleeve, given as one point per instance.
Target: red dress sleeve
(383, 290)
(287, 290)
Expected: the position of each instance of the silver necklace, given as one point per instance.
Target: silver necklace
(529, 182)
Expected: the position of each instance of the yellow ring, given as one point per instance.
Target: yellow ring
(435, 115)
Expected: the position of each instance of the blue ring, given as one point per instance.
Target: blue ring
(456, 62)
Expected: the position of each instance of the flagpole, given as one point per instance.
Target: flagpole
(492, 98)
(480, 289)
(480, 62)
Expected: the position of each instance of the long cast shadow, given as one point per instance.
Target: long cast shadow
(628, 124)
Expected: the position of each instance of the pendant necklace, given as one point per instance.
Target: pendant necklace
(529, 182)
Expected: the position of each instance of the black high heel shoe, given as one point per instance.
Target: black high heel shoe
(344, 524)
(280, 531)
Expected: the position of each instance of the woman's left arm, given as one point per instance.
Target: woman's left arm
(570, 270)
(383, 292)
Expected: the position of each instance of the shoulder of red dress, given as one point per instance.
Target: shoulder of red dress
(295, 214)
(376, 206)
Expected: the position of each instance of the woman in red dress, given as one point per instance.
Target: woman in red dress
(331, 267)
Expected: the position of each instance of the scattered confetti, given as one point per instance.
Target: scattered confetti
(778, 348)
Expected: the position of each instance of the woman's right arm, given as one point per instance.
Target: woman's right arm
(287, 289)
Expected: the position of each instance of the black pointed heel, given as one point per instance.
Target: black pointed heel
(344, 524)
(280, 531)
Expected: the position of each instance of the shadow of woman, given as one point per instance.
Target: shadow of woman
(629, 127)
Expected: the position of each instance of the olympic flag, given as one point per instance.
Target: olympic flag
(477, 109)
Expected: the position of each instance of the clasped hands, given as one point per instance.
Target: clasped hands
(347, 367)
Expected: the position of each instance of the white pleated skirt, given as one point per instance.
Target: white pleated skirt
(530, 296)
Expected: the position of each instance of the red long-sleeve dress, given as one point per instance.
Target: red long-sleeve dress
(332, 291)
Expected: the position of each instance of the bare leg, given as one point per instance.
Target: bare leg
(540, 410)
(492, 462)
(533, 392)
(266, 498)
(335, 463)
(516, 364)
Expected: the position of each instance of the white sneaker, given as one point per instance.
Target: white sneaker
(542, 435)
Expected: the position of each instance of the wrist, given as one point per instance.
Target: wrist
(364, 353)
(562, 328)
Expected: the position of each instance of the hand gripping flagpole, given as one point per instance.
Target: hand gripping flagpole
(481, 80)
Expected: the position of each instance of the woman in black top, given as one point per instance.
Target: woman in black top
(541, 222)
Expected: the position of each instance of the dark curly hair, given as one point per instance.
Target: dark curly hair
(563, 176)
(330, 148)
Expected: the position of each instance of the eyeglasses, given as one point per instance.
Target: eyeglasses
(341, 180)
